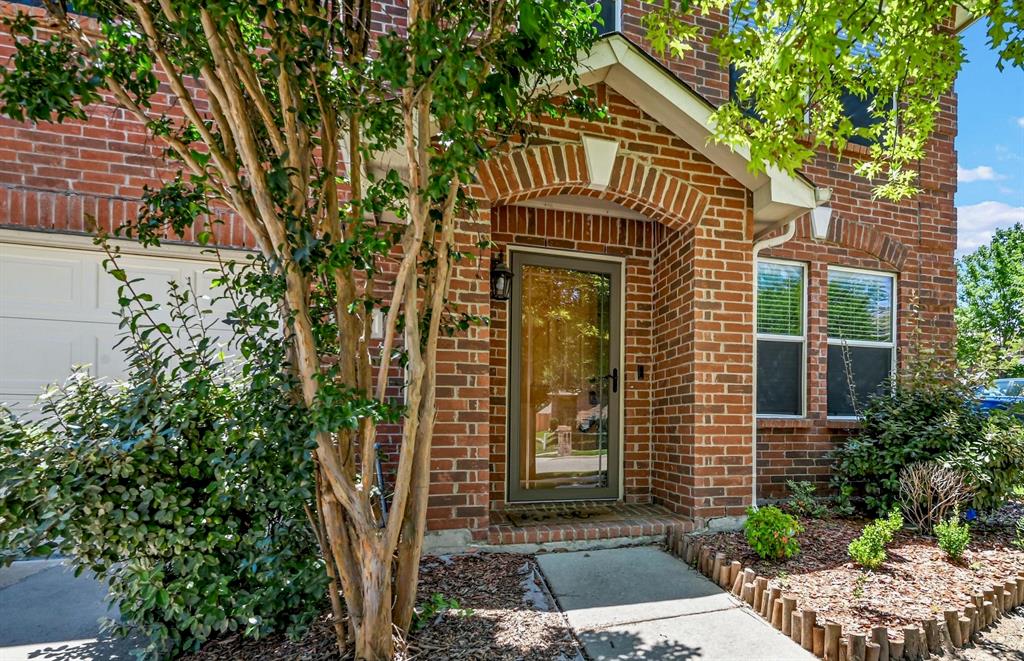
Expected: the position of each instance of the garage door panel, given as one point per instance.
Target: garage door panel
(59, 308)
(36, 353)
(32, 284)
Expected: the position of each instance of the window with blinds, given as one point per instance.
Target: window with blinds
(781, 344)
(861, 343)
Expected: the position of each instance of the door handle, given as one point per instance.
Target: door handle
(614, 376)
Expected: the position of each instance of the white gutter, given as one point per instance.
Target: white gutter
(821, 216)
(770, 242)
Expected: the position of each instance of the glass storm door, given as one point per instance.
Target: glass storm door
(564, 378)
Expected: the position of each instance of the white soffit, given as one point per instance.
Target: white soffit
(614, 60)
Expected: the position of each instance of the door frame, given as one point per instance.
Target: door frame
(616, 267)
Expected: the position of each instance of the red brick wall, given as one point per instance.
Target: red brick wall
(915, 239)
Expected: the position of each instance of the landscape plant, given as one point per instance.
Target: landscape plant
(772, 533)
(868, 550)
(953, 536)
(802, 500)
(930, 491)
(185, 487)
(929, 414)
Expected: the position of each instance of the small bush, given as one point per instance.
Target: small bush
(954, 536)
(930, 491)
(868, 550)
(436, 606)
(1019, 541)
(931, 415)
(842, 502)
(802, 501)
(772, 533)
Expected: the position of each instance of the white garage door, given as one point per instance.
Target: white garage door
(58, 306)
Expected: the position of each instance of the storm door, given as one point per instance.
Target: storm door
(565, 376)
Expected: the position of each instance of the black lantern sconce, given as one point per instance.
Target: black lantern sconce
(501, 279)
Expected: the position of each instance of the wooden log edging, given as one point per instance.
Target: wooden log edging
(952, 628)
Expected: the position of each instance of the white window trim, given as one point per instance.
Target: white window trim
(802, 339)
(891, 344)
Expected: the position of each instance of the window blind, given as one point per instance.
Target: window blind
(859, 306)
(780, 297)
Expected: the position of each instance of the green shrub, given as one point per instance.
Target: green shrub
(954, 536)
(868, 550)
(184, 487)
(1019, 540)
(802, 501)
(930, 416)
(772, 533)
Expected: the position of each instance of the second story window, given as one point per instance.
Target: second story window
(861, 337)
(611, 16)
(781, 338)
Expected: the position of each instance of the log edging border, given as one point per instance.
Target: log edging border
(954, 629)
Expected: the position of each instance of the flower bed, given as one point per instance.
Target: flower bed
(910, 604)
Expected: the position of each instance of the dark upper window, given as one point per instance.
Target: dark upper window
(861, 337)
(609, 21)
(858, 110)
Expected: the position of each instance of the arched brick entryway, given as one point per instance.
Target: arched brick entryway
(561, 169)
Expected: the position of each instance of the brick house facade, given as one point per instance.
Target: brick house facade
(681, 223)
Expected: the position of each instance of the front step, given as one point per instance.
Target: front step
(583, 525)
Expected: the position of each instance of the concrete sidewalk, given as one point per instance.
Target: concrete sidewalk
(641, 603)
(48, 613)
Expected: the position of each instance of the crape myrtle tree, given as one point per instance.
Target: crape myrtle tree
(347, 156)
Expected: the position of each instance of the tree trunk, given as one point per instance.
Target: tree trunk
(374, 631)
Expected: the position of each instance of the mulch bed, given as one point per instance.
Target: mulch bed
(505, 614)
(916, 582)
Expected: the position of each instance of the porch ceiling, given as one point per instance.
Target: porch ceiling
(630, 71)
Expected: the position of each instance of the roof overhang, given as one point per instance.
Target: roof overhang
(614, 60)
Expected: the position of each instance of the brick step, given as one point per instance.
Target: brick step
(554, 524)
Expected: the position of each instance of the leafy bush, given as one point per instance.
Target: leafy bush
(930, 416)
(1019, 541)
(868, 550)
(994, 459)
(772, 533)
(184, 487)
(842, 502)
(954, 536)
(802, 501)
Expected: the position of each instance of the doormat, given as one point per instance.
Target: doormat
(523, 517)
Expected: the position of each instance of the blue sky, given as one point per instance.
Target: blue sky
(989, 143)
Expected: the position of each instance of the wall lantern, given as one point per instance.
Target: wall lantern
(501, 279)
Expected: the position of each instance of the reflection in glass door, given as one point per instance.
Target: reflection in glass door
(564, 378)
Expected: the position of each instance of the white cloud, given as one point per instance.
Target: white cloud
(980, 173)
(977, 222)
(1020, 122)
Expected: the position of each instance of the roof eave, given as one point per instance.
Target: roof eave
(623, 66)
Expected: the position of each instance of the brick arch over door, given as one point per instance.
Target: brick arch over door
(863, 237)
(561, 169)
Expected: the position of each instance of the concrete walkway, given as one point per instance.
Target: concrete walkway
(641, 603)
(48, 613)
